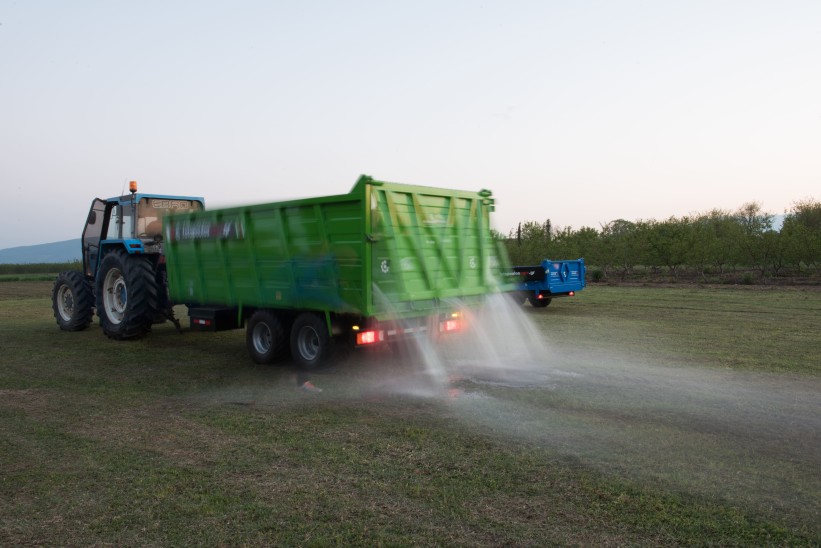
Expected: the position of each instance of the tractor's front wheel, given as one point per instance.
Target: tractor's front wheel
(72, 300)
(127, 295)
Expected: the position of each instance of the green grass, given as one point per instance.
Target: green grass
(632, 439)
(757, 329)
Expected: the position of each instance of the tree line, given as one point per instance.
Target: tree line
(717, 246)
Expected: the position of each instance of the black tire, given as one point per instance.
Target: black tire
(127, 295)
(311, 345)
(538, 303)
(265, 337)
(72, 300)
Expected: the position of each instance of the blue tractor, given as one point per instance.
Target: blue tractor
(123, 275)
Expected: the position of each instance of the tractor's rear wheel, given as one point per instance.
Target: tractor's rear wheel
(265, 337)
(73, 301)
(127, 295)
(311, 344)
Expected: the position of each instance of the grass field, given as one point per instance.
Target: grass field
(622, 416)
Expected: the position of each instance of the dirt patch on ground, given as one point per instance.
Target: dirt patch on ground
(30, 401)
(161, 427)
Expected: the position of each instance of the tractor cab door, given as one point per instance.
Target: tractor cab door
(92, 233)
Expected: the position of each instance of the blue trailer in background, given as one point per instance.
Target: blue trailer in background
(541, 283)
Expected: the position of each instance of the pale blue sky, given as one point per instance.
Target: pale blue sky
(577, 111)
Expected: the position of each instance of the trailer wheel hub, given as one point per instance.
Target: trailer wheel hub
(262, 338)
(308, 343)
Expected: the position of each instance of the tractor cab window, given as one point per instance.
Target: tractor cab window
(120, 223)
(150, 212)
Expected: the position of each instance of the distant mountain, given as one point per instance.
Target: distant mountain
(56, 252)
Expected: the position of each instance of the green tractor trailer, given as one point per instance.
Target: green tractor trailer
(384, 262)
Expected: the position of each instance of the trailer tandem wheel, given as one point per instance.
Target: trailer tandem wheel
(265, 337)
(311, 344)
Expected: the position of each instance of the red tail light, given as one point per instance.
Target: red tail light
(450, 325)
(368, 337)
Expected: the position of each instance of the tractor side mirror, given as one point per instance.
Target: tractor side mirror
(92, 217)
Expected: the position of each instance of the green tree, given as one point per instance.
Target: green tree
(668, 243)
(529, 242)
(756, 248)
(622, 248)
(570, 244)
(588, 245)
(719, 239)
(711, 241)
(802, 234)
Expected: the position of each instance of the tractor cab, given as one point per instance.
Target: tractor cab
(132, 222)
